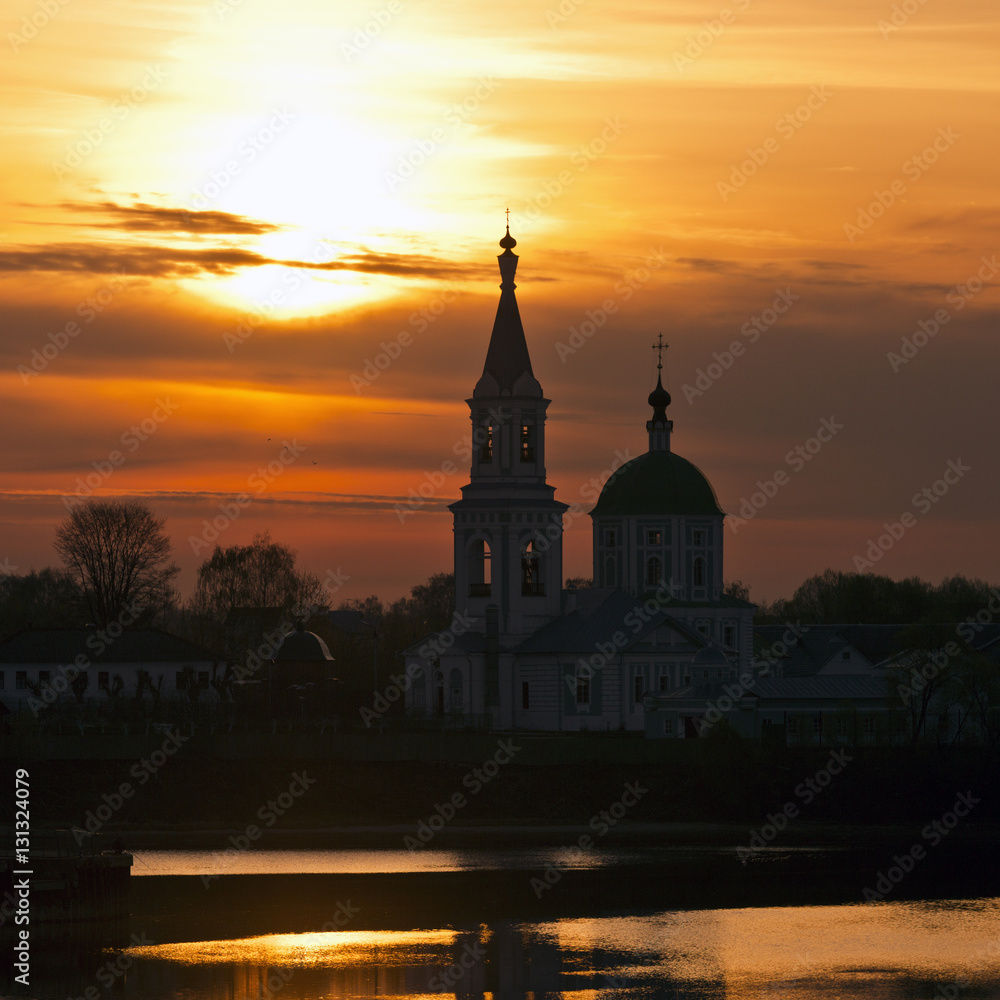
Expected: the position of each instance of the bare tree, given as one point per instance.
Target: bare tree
(262, 574)
(118, 552)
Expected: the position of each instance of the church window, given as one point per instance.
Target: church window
(817, 725)
(868, 725)
(698, 537)
(664, 682)
(793, 727)
(654, 537)
(480, 569)
(654, 571)
(668, 727)
(582, 691)
(729, 635)
(699, 572)
(638, 688)
(21, 680)
(486, 448)
(846, 654)
(531, 577)
(527, 442)
(525, 701)
(610, 536)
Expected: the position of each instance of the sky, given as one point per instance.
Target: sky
(248, 270)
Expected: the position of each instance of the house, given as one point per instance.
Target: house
(38, 666)
(525, 653)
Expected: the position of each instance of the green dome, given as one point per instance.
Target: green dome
(658, 482)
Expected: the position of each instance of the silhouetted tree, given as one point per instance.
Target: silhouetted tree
(262, 574)
(49, 598)
(118, 553)
(736, 588)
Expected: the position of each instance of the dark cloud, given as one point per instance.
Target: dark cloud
(177, 262)
(142, 217)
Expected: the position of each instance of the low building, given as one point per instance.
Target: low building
(46, 664)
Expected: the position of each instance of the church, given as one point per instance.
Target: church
(525, 653)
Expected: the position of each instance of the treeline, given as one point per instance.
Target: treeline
(834, 598)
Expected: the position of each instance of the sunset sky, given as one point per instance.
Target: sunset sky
(218, 214)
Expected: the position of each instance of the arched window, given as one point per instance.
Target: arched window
(531, 571)
(480, 568)
(654, 571)
(527, 442)
(486, 445)
(698, 574)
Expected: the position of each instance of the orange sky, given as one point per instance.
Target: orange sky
(217, 214)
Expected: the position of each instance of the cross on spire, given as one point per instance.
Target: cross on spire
(658, 347)
(508, 218)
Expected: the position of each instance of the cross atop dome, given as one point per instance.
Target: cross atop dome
(659, 427)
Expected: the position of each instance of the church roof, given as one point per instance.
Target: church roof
(302, 645)
(507, 371)
(600, 613)
(658, 482)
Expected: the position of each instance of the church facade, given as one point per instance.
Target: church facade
(524, 653)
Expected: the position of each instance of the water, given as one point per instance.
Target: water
(228, 860)
(198, 942)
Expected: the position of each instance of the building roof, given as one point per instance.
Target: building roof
(815, 645)
(658, 482)
(507, 370)
(600, 613)
(837, 687)
(302, 645)
(64, 645)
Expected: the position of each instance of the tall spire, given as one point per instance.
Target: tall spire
(507, 359)
(659, 427)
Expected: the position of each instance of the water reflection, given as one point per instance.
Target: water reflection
(381, 860)
(941, 949)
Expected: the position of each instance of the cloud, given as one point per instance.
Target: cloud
(179, 262)
(143, 217)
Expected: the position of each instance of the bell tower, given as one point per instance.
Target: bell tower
(508, 524)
